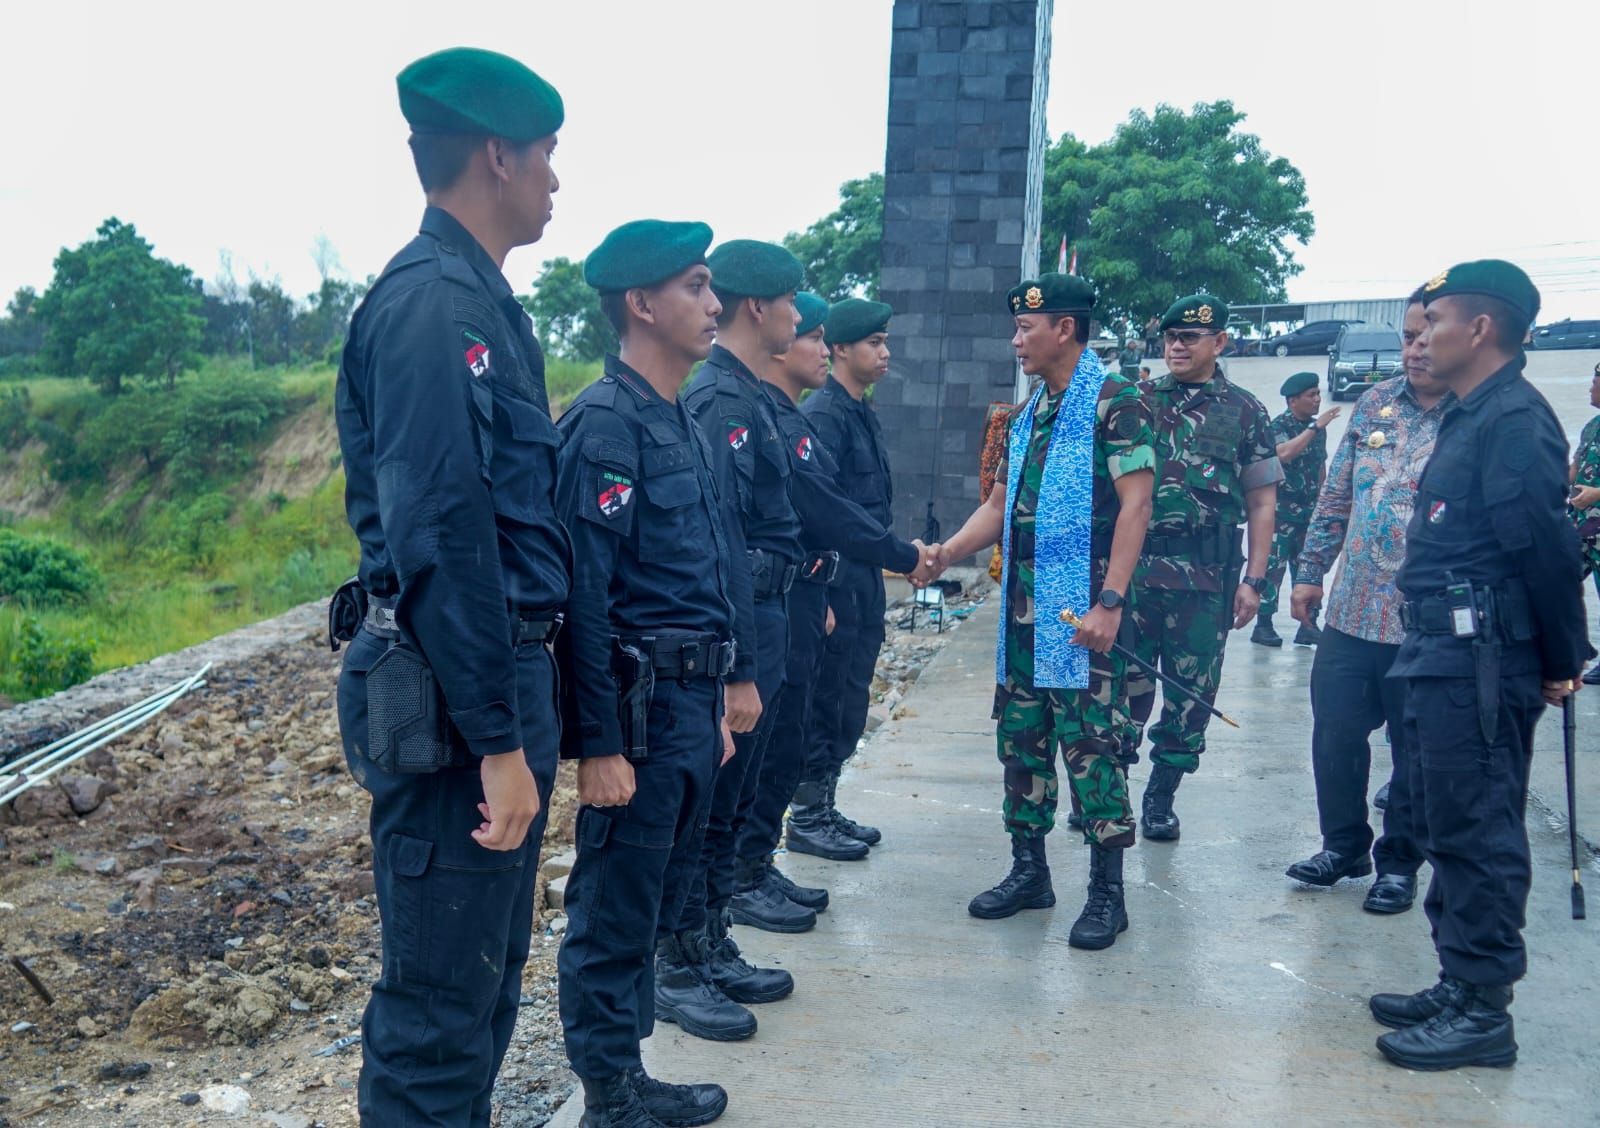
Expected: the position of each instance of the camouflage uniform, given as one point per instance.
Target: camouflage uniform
(1297, 500)
(1587, 460)
(1086, 722)
(1213, 444)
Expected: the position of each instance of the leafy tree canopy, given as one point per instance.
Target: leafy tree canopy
(566, 313)
(841, 251)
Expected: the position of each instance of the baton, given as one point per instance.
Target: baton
(1569, 734)
(1171, 683)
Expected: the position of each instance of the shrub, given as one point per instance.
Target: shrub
(41, 572)
(49, 662)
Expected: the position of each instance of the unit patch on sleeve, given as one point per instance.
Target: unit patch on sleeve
(477, 352)
(803, 448)
(738, 434)
(616, 494)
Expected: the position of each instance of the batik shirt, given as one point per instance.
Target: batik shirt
(1297, 493)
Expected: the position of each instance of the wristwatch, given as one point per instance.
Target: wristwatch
(1258, 584)
(1312, 426)
(1111, 599)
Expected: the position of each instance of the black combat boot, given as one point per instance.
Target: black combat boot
(871, 835)
(1475, 1029)
(686, 995)
(1400, 1011)
(1160, 821)
(761, 904)
(737, 978)
(812, 829)
(1309, 634)
(678, 1106)
(1264, 634)
(811, 897)
(1104, 914)
(1027, 886)
(612, 1103)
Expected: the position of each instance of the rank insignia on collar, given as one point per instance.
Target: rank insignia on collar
(803, 448)
(616, 494)
(1034, 297)
(1386, 412)
(1436, 512)
(1436, 281)
(477, 352)
(738, 435)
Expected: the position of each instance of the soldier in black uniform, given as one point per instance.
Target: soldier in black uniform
(831, 524)
(666, 574)
(857, 335)
(756, 284)
(447, 696)
(1494, 630)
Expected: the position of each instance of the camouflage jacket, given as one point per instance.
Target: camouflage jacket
(1586, 467)
(1302, 478)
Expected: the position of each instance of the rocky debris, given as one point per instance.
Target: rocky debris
(85, 793)
(555, 893)
(230, 1100)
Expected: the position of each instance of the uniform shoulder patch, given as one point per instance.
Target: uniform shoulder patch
(737, 431)
(803, 448)
(615, 494)
(475, 350)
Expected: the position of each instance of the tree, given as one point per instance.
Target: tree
(319, 327)
(1173, 203)
(271, 321)
(114, 310)
(21, 333)
(566, 313)
(841, 250)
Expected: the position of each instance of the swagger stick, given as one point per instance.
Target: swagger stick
(1569, 734)
(1171, 683)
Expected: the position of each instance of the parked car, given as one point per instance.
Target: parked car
(1312, 337)
(1361, 355)
(1567, 335)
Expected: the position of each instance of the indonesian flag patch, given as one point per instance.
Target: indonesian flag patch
(738, 434)
(1436, 512)
(477, 352)
(803, 448)
(616, 494)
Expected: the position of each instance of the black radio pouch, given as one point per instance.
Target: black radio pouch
(636, 687)
(408, 730)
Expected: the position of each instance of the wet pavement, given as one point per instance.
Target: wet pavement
(1237, 997)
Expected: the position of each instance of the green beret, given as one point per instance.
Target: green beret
(645, 252)
(855, 319)
(1197, 311)
(1299, 382)
(465, 90)
(813, 312)
(1051, 293)
(1494, 278)
(748, 268)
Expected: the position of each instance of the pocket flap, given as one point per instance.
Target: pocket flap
(408, 856)
(611, 452)
(672, 491)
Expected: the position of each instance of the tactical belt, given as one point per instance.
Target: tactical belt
(770, 573)
(380, 622)
(683, 656)
(819, 568)
(1208, 547)
(1504, 613)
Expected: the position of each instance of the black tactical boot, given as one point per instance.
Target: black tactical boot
(678, 1106)
(1104, 914)
(871, 835)
(1160, 821)
(813, 831)
(1475, 1029)
(1381, 799)
(1264, 634)
(1400, 1011)
(1027, 886)
(737, 978)
(812, 898)
(612, 1103)
(760, 904)
(686, 995)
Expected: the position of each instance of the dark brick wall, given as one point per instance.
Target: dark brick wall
(962, 180)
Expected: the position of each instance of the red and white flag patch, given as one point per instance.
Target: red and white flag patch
(803, 448)
(477, 352)
(616, 494)
(738, 434)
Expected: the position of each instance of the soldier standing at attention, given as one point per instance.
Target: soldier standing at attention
(1302, 438)
(756, 284)
(1070, 506)
(1495, 630)
(662, 568)
(1216, 467)
(447, 698)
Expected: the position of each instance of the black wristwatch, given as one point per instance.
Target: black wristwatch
(1258, 584)
(1111, 599)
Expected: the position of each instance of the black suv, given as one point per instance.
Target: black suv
(1362, 355)
(1567, 335)
(1312, 337)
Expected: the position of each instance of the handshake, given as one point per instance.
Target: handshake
(931, 565)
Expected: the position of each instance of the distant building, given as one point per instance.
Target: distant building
(1374, 311)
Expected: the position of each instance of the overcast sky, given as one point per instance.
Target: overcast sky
(1427, 134)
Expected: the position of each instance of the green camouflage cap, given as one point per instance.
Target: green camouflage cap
(466, 90)
(1197, 311)
(1494, 278)
(1051, 293)
(645, 252)
(856, 319)
(749, 268)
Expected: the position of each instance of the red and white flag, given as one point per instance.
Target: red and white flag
(1061, 259)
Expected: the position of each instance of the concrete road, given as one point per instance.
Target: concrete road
(1238, 997)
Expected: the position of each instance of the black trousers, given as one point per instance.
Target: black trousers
(457, 918)
(843, 691)
(1469, 798)
(1351, 698)
(625, 873)
(784, 760)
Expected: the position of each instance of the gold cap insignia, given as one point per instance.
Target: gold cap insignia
(1205, 315)
(1436, 281)
(1034, 297)
(1377, 439)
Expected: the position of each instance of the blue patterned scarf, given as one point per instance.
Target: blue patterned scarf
(1062, 525)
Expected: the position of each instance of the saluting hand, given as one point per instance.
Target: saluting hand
(741, 706)
(511, 801)
(605, 781)
(1305, 600)
(1327, 417)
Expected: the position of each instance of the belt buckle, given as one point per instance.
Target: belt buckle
(790, 571)
(726, 653)
(689, 658)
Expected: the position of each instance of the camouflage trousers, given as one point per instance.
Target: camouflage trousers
(1182, 633)
(1086, 723)
(1288, 538)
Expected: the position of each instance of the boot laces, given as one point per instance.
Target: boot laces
(1020, 874)
(647, 1086)
(1102, 902)
(725, 952)
(781, 881)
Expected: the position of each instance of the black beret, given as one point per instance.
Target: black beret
(748, 268)
(1493, 278)
(645, 252)
(465, 90)
(1197, 311)
(856, 319)
(1299, 382)
(1051, 293)
(813, 312)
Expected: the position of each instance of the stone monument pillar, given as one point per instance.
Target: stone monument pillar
(963, 178)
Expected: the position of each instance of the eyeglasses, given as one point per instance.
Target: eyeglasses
(1186, 337)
